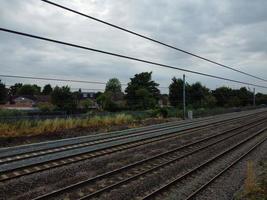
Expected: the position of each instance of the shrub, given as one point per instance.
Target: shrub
(46, 107)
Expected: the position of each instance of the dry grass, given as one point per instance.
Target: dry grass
(27, 128)
(255, 188)
(250, 182)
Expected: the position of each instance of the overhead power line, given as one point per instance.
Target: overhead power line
(86, 89)
(127, 57)
(154, 40)
(61, 80)
(51, 79)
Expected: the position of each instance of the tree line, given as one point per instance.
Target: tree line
(141, 93)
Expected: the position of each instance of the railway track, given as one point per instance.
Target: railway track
(255, 141)
(60, 144)
(101, 184)
(11, 156)
(33, 148)
(17, 171)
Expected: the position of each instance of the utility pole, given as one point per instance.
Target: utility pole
(184, 94)
(254, 97)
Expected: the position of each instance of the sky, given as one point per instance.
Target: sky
(229, 32)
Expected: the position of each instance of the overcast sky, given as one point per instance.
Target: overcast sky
(230, 32)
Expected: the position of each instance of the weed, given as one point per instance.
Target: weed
(27, 127)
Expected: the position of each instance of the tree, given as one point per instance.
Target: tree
(197, 93)
(37, 89)
(107, 103)
(223, 96)
(245, 96)
(3, 93)
(209, 101)
(261, 99)
(142, 92)
(63, 98)
(98, 94)
(113, 85)
(227, 97)
(28, 90)
(14, 89)
(176, 92)
(86, 104)
(77, 96)
(47, 90)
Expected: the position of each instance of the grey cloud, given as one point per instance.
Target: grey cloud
(231, 32)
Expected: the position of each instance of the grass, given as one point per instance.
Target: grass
(255, 187)
(28, 128)
(11, 113)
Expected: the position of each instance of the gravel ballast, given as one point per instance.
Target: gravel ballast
(27, 187)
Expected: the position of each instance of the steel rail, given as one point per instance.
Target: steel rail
(9, 151)
(36, 153)
(37, 167)
(44, 165)
(176, 180)
(23, 149)
(99, 192)
(195, 193)
(167, 153)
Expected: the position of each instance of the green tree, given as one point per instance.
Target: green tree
(142, 92)
(87, 103)
(28, 89)
(77, 96)
(113, 85)
(3, 93)
(107, 103)
(223, 95)
(47, 90)
(98, 94)
(14, 89)
(209, 101)
(63, 98)
(176, 92)
(261, 99)
(245, 96)
(37, 89)
(197, 93)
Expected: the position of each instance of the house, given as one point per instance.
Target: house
(21, 103)
(24, 101)
(88, 95)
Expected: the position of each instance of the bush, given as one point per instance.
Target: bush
(108, 103)
(11, 113)
(46, 107)
(86, 104)
(160, 112)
